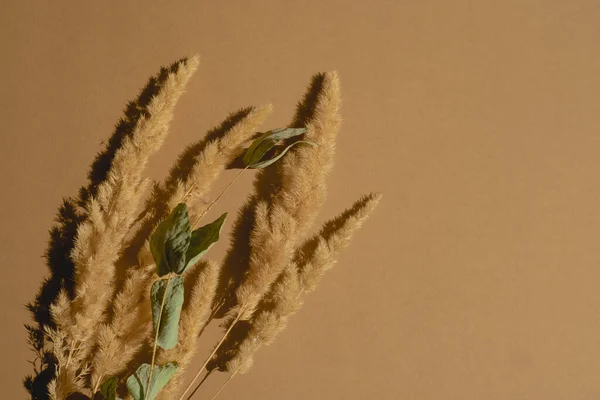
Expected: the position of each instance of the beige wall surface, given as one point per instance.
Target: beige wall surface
(478, 276)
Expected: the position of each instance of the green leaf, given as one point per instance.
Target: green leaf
(137, 383)
(108, 390)
(170, 241)
(203, 239)
(266, 142)
(171, 310)
(268, 162)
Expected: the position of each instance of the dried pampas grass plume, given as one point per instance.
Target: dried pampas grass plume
(295, 204)
(110, 214)
(319, 254)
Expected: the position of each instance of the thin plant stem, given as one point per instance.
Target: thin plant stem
(237, 318)
(241, 364)
(97, 385)
(218, 197)
(230, 376)
(154, 347)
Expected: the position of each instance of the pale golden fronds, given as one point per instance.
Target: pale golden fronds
(286, 296)
(213, 159)
(69, 375)
(121, 339)
(297, 201)
(193, 319)
(320, 253)
(270, 319)
(270, 244)
(99, 239)
(304, 171)
(61, 309)
(111, 212)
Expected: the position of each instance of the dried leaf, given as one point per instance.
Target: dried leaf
(137, 383)
(108, 390)
(171, 310)
(268, 162)
(202, 240)
(266, 142)
(170, 241)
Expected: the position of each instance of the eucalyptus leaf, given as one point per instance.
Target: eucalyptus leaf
(203, 239)
(137, 383)
(266, 142)
(171, 310)
(108, 390)
(170, 241)
(268, 162)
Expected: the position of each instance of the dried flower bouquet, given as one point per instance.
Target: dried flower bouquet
(131, 290)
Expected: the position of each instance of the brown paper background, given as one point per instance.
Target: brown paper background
(478, 276)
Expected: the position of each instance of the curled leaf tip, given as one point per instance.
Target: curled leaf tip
(253, 158)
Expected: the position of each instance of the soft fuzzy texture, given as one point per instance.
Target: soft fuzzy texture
(296, 202)
(111, 213)
(286, 296)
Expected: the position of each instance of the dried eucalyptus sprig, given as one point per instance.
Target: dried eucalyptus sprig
(175, 247)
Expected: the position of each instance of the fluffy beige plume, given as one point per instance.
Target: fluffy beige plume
(61, 309)
(61, 315)
(193, 319)
(334, 238)
(69, 376)
(99, 239)
(286, 297)
(304, 172)
(297, 201)
(213, 159)
(270, 319)
(110, 215)
(122, 338)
